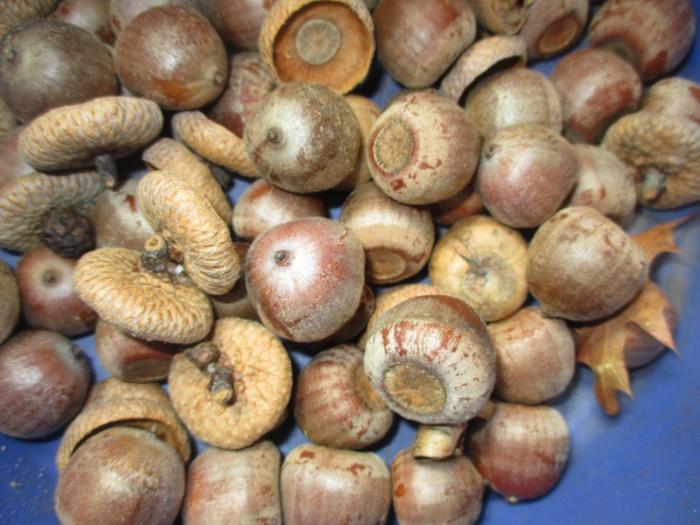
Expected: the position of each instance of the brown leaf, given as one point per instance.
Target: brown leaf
(659, 239)
(603, 352)
(602, 346)
(654, 314)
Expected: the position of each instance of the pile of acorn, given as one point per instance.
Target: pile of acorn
(182, 287)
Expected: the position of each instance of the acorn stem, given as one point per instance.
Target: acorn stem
(437, 441)
(205, 356)
(107, 169)
(155, 255)
(653, 184)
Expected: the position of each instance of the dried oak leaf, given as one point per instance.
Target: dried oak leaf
(601, 346)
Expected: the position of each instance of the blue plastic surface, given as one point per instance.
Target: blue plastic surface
(641, 467)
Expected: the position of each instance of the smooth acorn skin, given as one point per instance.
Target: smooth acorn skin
(91, 15)
(173, 56)
(653, 35)
(49, 300)
(583, 266)
(397, 238)
(234, 486)
(521, 450)
(334, 403)
(525, 174)
(49, 63)
(303, 138)
(326, 485)
(44, 380)
(596, 87)
(535, 357)
(417, 41)
(131, 359)
(435, 492)
(121, 473)
(306, 278)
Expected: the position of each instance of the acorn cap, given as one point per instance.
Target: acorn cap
(213, 141)
(327, 42)
(13, 13)
(192, 228)
(262, 380)
(143, 304)
(169, 155)
(25, 201)
(478, 59)
(73, 136)
(665, 151)
(113, 389)
(130, 406)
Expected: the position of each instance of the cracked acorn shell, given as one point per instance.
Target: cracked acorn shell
(194, 232)
(430, 360)
(72, 136)
(25, 201)
(334, 403)
(303, 138)
(114, 403)
(261, 374)
(417, 41)
(484, 263)
(330, 42)
(171, 156)
(665, 152)
(422, 149)
(583, 267)
(164, 308)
